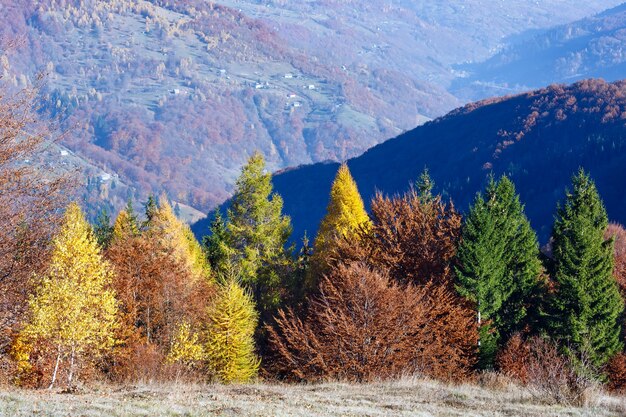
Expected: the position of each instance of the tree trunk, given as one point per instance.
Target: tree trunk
(56, 368)
(71, 374)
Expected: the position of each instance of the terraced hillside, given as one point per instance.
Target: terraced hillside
(174, 96)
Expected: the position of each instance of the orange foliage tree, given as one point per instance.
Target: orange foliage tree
(364, 326)
(414, 238)
(32, 194)
(158, 291)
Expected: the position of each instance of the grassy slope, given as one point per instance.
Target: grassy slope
(403, 398)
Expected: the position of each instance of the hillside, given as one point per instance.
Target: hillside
(538, 138)
(175, 95)
(402, 398)
(590, 48)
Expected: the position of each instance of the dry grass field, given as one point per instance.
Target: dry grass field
(410, 397)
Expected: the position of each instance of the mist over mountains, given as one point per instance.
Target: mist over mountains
(592, 47)
(172, 97)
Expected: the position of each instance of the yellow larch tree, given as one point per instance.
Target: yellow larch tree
(73, 309)
(125, 226)
(172, 232)
(186, 348)
(229, 337)
(345, 215)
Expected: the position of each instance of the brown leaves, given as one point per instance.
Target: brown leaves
(413, 239)
(363, 327)
(31, 198)
(156, 290)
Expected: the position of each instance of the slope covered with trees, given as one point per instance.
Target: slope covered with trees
(591, 47)
(535, 138)
(174, 96)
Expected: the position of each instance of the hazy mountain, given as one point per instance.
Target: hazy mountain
(539, 138)
(592, 47)
(175, 95)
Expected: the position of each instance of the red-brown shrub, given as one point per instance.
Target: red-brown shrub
(412, 239)
(537, 363)
(616, 370)
(513, 360)
(364, 326)
(617, 232)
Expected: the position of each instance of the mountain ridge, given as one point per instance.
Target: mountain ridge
(539, 138)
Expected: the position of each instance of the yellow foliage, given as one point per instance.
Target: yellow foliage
(230, 335)
(345, 213)
(172, 232)
(20, 352)
(186, 347)
(73, 308)
(124, 226)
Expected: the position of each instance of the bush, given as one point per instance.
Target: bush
(364, 326)
(616, 370)
(549, 375)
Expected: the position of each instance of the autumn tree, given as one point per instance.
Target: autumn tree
(363, 326)
(345, 216)
(617, 232)
(32, 196)
(158, 292)
(586, 305)
(74, 308)
(413, 237)
(229, 346)
(498, 265)
(125, 224)
(171, 231)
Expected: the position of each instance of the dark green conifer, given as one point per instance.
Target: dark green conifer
(257, 234)
(151, 207)
(586, 304)
(498, 265)
(103, 229)
(425, 185)
(217, 247)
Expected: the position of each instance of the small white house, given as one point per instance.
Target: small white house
(311, 86)
(64, 152)
(288, 76)
(105, 177)
(297, 104)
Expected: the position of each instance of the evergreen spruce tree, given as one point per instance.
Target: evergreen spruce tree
(217, 246)
(586, 304)
(257, 233)
(425, 185)
(132, 215)
(151, 207)
(345, 215)
(103, 230)
(498, 265)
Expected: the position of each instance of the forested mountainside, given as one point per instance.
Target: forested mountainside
(173, 96)
(592, 47)
(539, 139)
